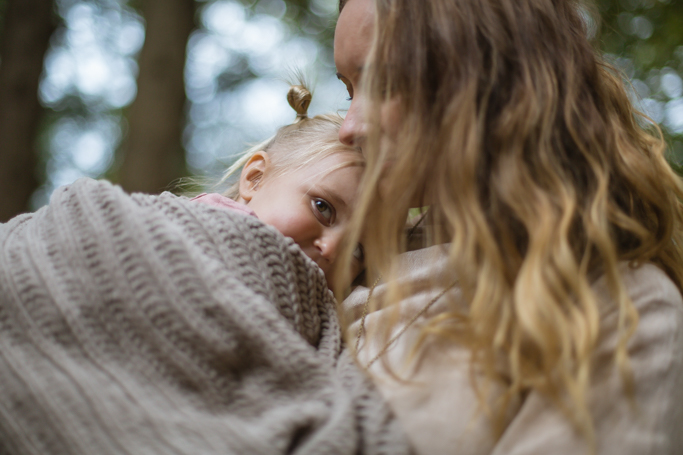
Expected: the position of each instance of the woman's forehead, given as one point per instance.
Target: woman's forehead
(333, 162)
(353, 36)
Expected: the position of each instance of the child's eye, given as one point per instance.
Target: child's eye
(359, 253)
(324, 209)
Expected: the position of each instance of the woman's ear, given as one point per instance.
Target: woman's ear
(252, 175)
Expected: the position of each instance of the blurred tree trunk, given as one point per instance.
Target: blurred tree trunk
(28, 25)
(153, 154)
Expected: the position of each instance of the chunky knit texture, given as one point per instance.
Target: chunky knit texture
(149, 325)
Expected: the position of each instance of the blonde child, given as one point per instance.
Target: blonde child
(302, 181)
(153, 324)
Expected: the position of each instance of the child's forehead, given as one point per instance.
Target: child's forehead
(335, 175)
(332, 172)
(323, 165)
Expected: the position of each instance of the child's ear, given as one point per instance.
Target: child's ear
(252, 175)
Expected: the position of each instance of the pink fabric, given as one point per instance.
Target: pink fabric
(220, 201)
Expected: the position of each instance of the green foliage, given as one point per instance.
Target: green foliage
(648, 31)
(645, 37)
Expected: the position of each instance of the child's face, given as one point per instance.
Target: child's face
(312, 205)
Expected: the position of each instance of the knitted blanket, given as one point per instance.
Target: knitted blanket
(150, 325)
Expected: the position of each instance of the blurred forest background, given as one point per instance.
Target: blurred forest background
(143, 92)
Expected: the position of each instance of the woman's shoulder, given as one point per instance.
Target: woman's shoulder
(649, 288)
(649, 280)
(646, 420)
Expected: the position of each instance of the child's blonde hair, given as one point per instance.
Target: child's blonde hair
(297, 145)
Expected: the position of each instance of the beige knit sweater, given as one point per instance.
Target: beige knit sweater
(150, 325)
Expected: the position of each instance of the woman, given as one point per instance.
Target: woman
(547, 316)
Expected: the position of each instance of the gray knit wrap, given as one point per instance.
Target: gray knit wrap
(151, 325)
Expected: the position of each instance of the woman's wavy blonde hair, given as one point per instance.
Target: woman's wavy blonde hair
(540, 174)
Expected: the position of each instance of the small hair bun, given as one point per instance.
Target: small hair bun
(299, 97)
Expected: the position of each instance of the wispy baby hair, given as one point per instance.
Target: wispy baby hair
(297, 145)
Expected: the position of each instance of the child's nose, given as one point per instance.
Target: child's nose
(328, 244)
